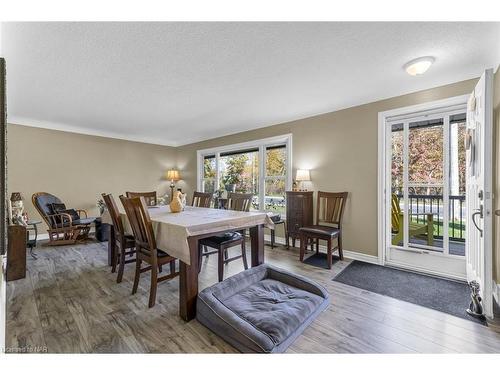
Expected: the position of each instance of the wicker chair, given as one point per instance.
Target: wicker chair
(65, 226)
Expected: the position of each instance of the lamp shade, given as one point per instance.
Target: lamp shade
(173, 175)
(16, 196)
(303, 175)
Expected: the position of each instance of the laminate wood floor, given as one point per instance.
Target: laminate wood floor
(70, 303)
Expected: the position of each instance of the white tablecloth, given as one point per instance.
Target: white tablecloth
(173, 229)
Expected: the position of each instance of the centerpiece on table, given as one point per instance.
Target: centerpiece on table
(178, 202)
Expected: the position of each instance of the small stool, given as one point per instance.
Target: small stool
(278, 220)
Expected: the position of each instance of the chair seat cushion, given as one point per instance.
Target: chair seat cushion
(129, 240)
(161, 253)
(322, 230)
(222, 239)
(261, 310)
(83, 221)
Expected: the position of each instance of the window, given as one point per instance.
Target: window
(275, 178)
(239, 172)
(209, 173)
(260, 167)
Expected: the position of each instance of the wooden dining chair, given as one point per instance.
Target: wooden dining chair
(201, 199)
(221, 243)
(239, 201)
(125, 242)
(329, 213)
(145, 244)
(149, 196)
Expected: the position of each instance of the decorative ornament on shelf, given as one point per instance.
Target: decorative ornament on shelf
(173, 175)
(303, 175)
(176, 204)
(17, 209)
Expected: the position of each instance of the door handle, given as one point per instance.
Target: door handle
(479, 212)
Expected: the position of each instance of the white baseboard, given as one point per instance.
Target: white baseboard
(45, 236)
(354, 255)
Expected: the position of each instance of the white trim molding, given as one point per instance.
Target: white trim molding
(354, 255)
(400, 114)
(20, 121)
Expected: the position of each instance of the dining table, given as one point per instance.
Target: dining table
(178, 234)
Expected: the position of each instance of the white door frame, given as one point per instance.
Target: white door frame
(383, 118)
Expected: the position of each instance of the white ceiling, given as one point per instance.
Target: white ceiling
(177, 83)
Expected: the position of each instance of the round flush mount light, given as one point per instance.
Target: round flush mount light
(419, 66)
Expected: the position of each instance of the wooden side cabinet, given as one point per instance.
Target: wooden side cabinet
(16, 252)
(299, 212)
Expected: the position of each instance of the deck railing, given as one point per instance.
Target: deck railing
(434, 204)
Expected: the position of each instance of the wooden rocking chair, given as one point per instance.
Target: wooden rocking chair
(65, 226)
(414, 229)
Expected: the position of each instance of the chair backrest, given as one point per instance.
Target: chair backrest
(330, 208)
(149, 196)
(138, 217)
(239, 201)
(395, 213)
(201, 199)
(114, 213)
(42, 202)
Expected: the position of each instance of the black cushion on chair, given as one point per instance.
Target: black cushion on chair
(56, 207)
(45, 201)
(60, 208)
(129, 240)
(321, 230)
(84, 221)
(161, 253)
(71, 212)
(222, 239)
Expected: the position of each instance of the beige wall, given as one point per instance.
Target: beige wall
(78, 168)
(340, 148)
(496, 174)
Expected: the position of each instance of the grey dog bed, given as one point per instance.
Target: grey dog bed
(261, 310)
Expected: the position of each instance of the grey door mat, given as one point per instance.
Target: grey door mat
(451, 297)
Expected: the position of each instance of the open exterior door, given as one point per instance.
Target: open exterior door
(479, 188)
(3, 200)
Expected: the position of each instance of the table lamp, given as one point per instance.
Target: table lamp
(303, 175)
(173, 175)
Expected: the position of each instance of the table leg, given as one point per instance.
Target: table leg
(111, 245)
(188, 283)
(257, 244)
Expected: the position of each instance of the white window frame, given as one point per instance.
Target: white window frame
(261, 144)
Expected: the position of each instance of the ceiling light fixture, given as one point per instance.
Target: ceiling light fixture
(419, 66)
